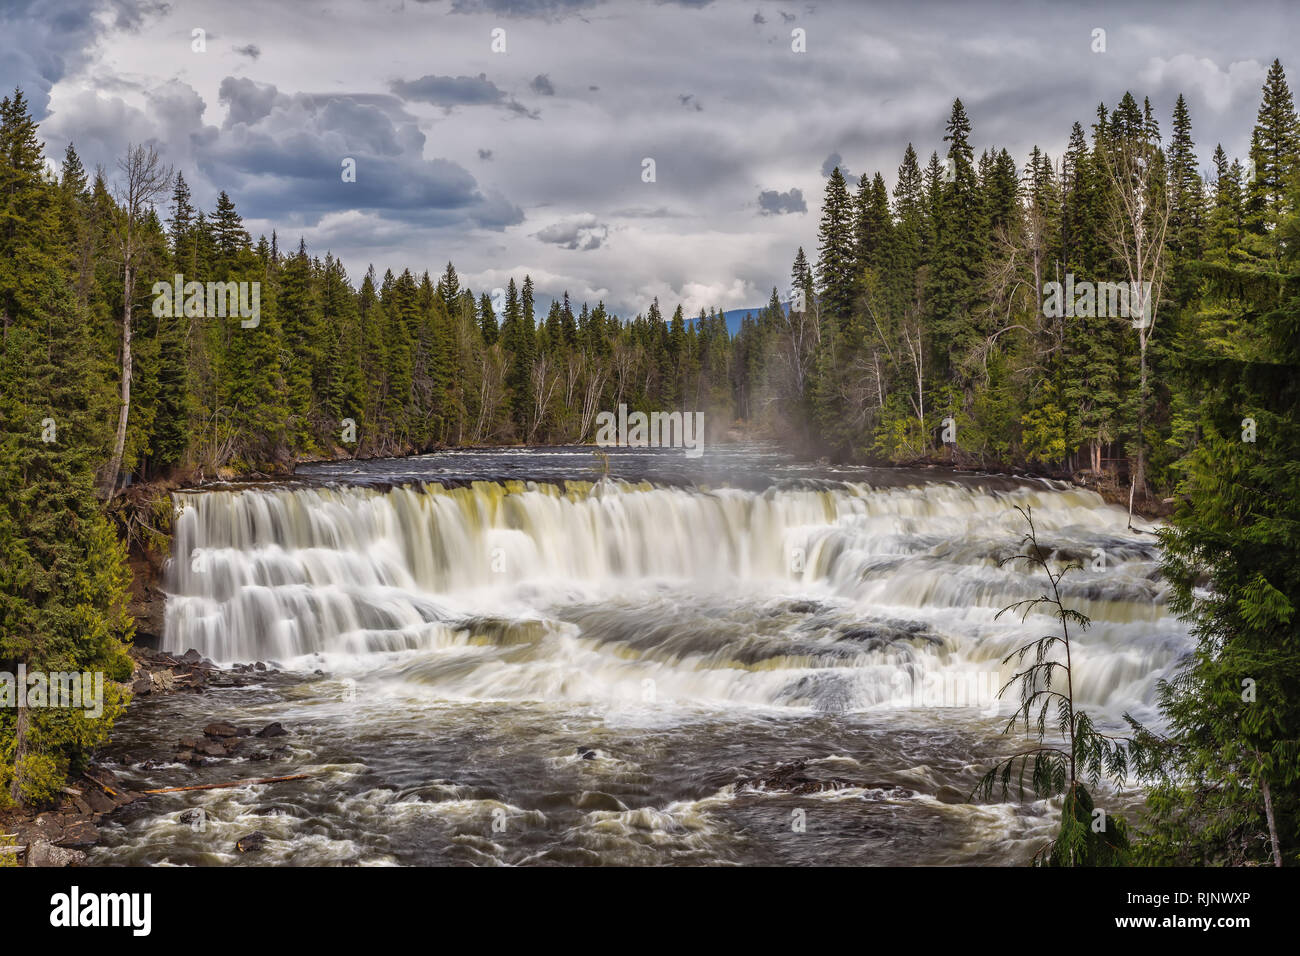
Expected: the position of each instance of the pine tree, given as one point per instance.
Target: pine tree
(958, 254)
(1274, 155)
(835, 265)
(1186, 202)
(63, 576)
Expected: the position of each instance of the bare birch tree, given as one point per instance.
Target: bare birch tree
(144, 181)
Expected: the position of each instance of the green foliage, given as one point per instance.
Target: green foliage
(1078, 752)
(63, 577)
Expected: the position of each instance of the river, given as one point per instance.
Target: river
(545, 656)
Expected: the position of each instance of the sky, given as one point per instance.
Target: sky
(512, 136)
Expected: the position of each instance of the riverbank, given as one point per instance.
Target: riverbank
(62, 835)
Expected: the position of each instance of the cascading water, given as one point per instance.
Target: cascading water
(455, 644)
(896, 574)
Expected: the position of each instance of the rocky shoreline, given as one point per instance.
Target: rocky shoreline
(63, 835)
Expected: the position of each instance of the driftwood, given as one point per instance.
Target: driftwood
(99, 783)
(223, 786)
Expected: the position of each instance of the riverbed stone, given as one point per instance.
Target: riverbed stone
(252, 843)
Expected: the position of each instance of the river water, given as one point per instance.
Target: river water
(545, 656)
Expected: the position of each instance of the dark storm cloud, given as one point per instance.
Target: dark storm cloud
(485, 154)
(288, 151)
(252, 51)
(42, 41)
(542, 84)
(773, 203)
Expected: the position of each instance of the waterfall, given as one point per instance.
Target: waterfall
(806, 594)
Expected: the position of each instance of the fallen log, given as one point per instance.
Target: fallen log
(233, 783)
(99, 783)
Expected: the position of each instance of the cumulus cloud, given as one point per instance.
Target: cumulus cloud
(773, 203)
(452, 91)
(449, 90)
(273, 129)
(281, 154)
(524, 8)
(1218, 88)
(575, 232)
(833, 160)
(42, 41)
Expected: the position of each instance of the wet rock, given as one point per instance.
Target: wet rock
(259, 666)
(80, 833)
(950, 795)
(191, 818)
(100, 802)
(880, 635)
(587, 753)
(188, 743)
(192, 657)
(273, 730)
(598, 800)
(142, 687)
(792, 776)
(41, 853)
(252, 843)
(803, 607)
(221, 729)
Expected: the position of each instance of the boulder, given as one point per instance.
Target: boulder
(79, 833)
(41, 853)
(252, 843)
(221, 729)
(100, 802)
(273, 730)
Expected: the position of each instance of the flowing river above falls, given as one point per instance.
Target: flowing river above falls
(533, 656)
